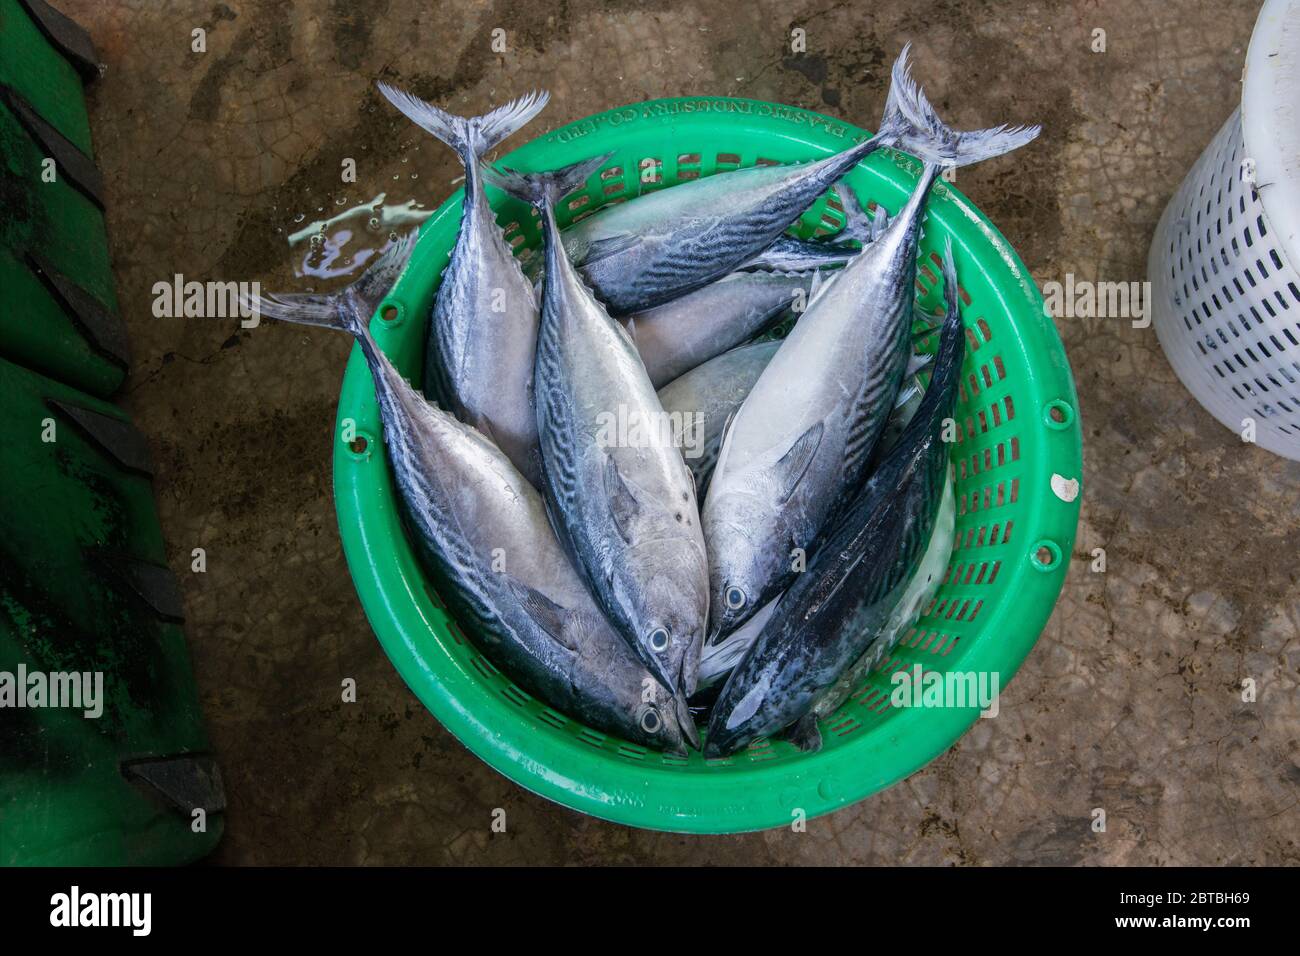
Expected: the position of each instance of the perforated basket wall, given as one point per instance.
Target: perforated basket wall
(1224, 262)
(1226, 298)
(1019, 427)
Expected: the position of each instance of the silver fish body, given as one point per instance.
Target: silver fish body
(718, 660)
(832, 614)
(616, 482)
(483, 533)
(786, 254)
(803, 440)
(701, 402)
(483, 328)
(497, 562)
(680, 335)
(639, 254)
(792, 254)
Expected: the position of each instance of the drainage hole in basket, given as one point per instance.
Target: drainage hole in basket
(1045, 555)
(390, 314)
(1059, 415)
(359, 446)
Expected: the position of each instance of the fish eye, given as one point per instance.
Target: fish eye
(651, 721)
(659, 639)
(735, 598)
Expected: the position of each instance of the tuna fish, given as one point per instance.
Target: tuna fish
(719, 660)
(617, 484)
(640, 254)
(830, 621)
(483, 331)
(469, 509)
(920, 591)
(677, 336)
(801, 442)
(787, 254)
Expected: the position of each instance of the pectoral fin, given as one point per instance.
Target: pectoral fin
(793, 465)
(608, 246)
(623, 506)
(546, 614)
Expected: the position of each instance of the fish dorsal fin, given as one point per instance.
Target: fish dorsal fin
(608, 246)
(546, 614)
(623, 506)
(793, 465)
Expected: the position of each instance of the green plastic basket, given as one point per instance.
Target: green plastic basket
(1019, 427)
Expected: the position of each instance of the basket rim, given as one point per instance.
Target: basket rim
(1269, 85)
(417, 635)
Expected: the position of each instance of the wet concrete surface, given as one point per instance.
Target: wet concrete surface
(1131, 701)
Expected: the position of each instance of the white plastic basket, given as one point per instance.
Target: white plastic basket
(1225, 290)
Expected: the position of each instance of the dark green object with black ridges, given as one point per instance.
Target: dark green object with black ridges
(84, 583)
(58, 312)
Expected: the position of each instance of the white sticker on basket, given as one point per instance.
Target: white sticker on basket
(1067, 489)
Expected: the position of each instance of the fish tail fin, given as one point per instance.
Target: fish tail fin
(893, 124)
(380, 277)
(300, 308)
(470, 136)
(501, 123)
(545, 189)
(347, 310)
(920, 131)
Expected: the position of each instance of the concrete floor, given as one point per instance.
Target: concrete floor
(1131, 699)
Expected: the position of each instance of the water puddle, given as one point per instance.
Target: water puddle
(342, 244)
